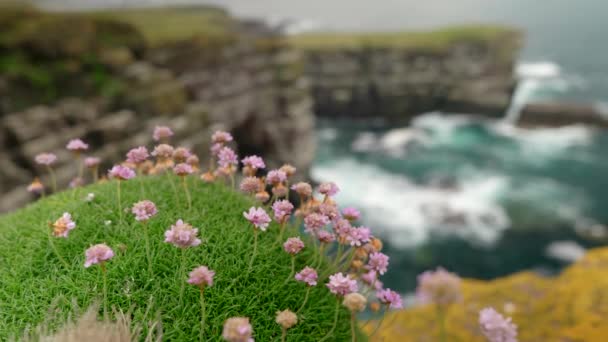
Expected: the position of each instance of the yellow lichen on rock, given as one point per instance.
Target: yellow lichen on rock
(571, 307)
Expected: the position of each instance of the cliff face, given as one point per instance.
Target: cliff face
(245, 81)
(398, 76)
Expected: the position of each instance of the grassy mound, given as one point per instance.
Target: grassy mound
(569, 307)
(32, 278)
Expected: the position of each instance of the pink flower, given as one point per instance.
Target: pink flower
(182, 169)
(275, 177)
(76, 182)
(495, 327)
(193, 160)
(250, 185)
(144, 210)
(289, 170)
(221, 137)
(359, 236)
(182, 235)
(237, 329)
(325, 236)
(63, 225)
(36, 187)
(307, 275)
(313, 222)
(342, 228)
(328, 189)
(215, 149)
(438, 287)
(329, 210)
(181, 154)
(293, 245)
(282, 210)
(162, 132)
(227, 158)
(378, 262)
(254, 162)
(137, 155)
(371, 279)
(91, 162)
(163, 151)
(302, 188)
(77, 145)
(390, 298)
(121, 172)
(46, 159)
(351, 214)
(258, 217)
(98, 254)
(341, 285)
(201, 276)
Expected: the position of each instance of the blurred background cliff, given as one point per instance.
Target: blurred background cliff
(471, 134)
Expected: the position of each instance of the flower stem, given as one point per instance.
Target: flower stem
(283, 335)
(352, 327)
(187, 192)
(321, 250)
(379, 323)
(330, 333)
(182, 275)
(105, 289)
(95, 174)
(280, 237)
(148, 255)
(202, 314)
(293, 269)
(65, 263)
(255, 248)
(141, 182)
(53, 178)
(118, 198)
(80, 166)
(305, 299)
(168, 173)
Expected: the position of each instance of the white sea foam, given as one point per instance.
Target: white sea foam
(566, 251)
(395, 142)
(539, 69)
(327, 134)
(410, 213)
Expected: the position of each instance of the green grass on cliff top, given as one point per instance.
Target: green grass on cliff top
(430, 40)
(32, 278)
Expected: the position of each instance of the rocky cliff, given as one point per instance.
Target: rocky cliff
(110, 81)
(396, 76)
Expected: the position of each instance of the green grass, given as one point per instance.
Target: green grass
(32, 278)
(431, 40)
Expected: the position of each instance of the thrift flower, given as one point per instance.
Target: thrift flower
(342, 229)
(370, 278)
(253, 163)
(325, 236)
(286, 319)
(439, 287)
(46, 159)
(98, 254)
(137, 155)
(144, 210)
(303, 189)
(390, 298)
(237, 329)
(221, 137)
(63, 225)
(250, 185)
(182, 235)
(193, 161)
(215, 149)
(293, 245)
(328, 189)
(92, 162)
(77, 145)
(227, 158)
(282, 210)
(314, 222)
(275, 177)
(163, 151)
(76, 182)
(329, 210)
(262, 196)
(36, 187)
(162, 133)
(182, 169)
(495, 327)
(121, 172)
(351, 214)
(341, 285)
(378, 262)
(258, 217)
(358, 236)
(181, 154)
(354, 302)
(201, 276)
(289, 170)
(307, 275)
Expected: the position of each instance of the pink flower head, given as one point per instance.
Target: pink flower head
(227, 158)
(193, 160)
(237, 329)
(329, 210)
(302, 188)
(341, 285)
(77, 145)
(307, 275)
(98, 254)
(163, 151)
(201, 276)
(63, 225)
(378, 262)
(221, 137)
(275, 177)
(258, 217)
(289, 170)
(162, 133)
(438, 287)
(325, 236)
(254, 162)
(215, 149)
(76, 182)
(495, 327)
(282, 210)
(91, 162)
(46, 159)
(313, 222)
(359, 236)
(293, 245)
(182, 169)
(137, 155)
(390, 298)
(182, 235)
(181, 154)
(329, 189)
(342, 228)
(144, 210)
(370, 278)
(351, 214)
(36, 187)
(121, 172)
(250, 185)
